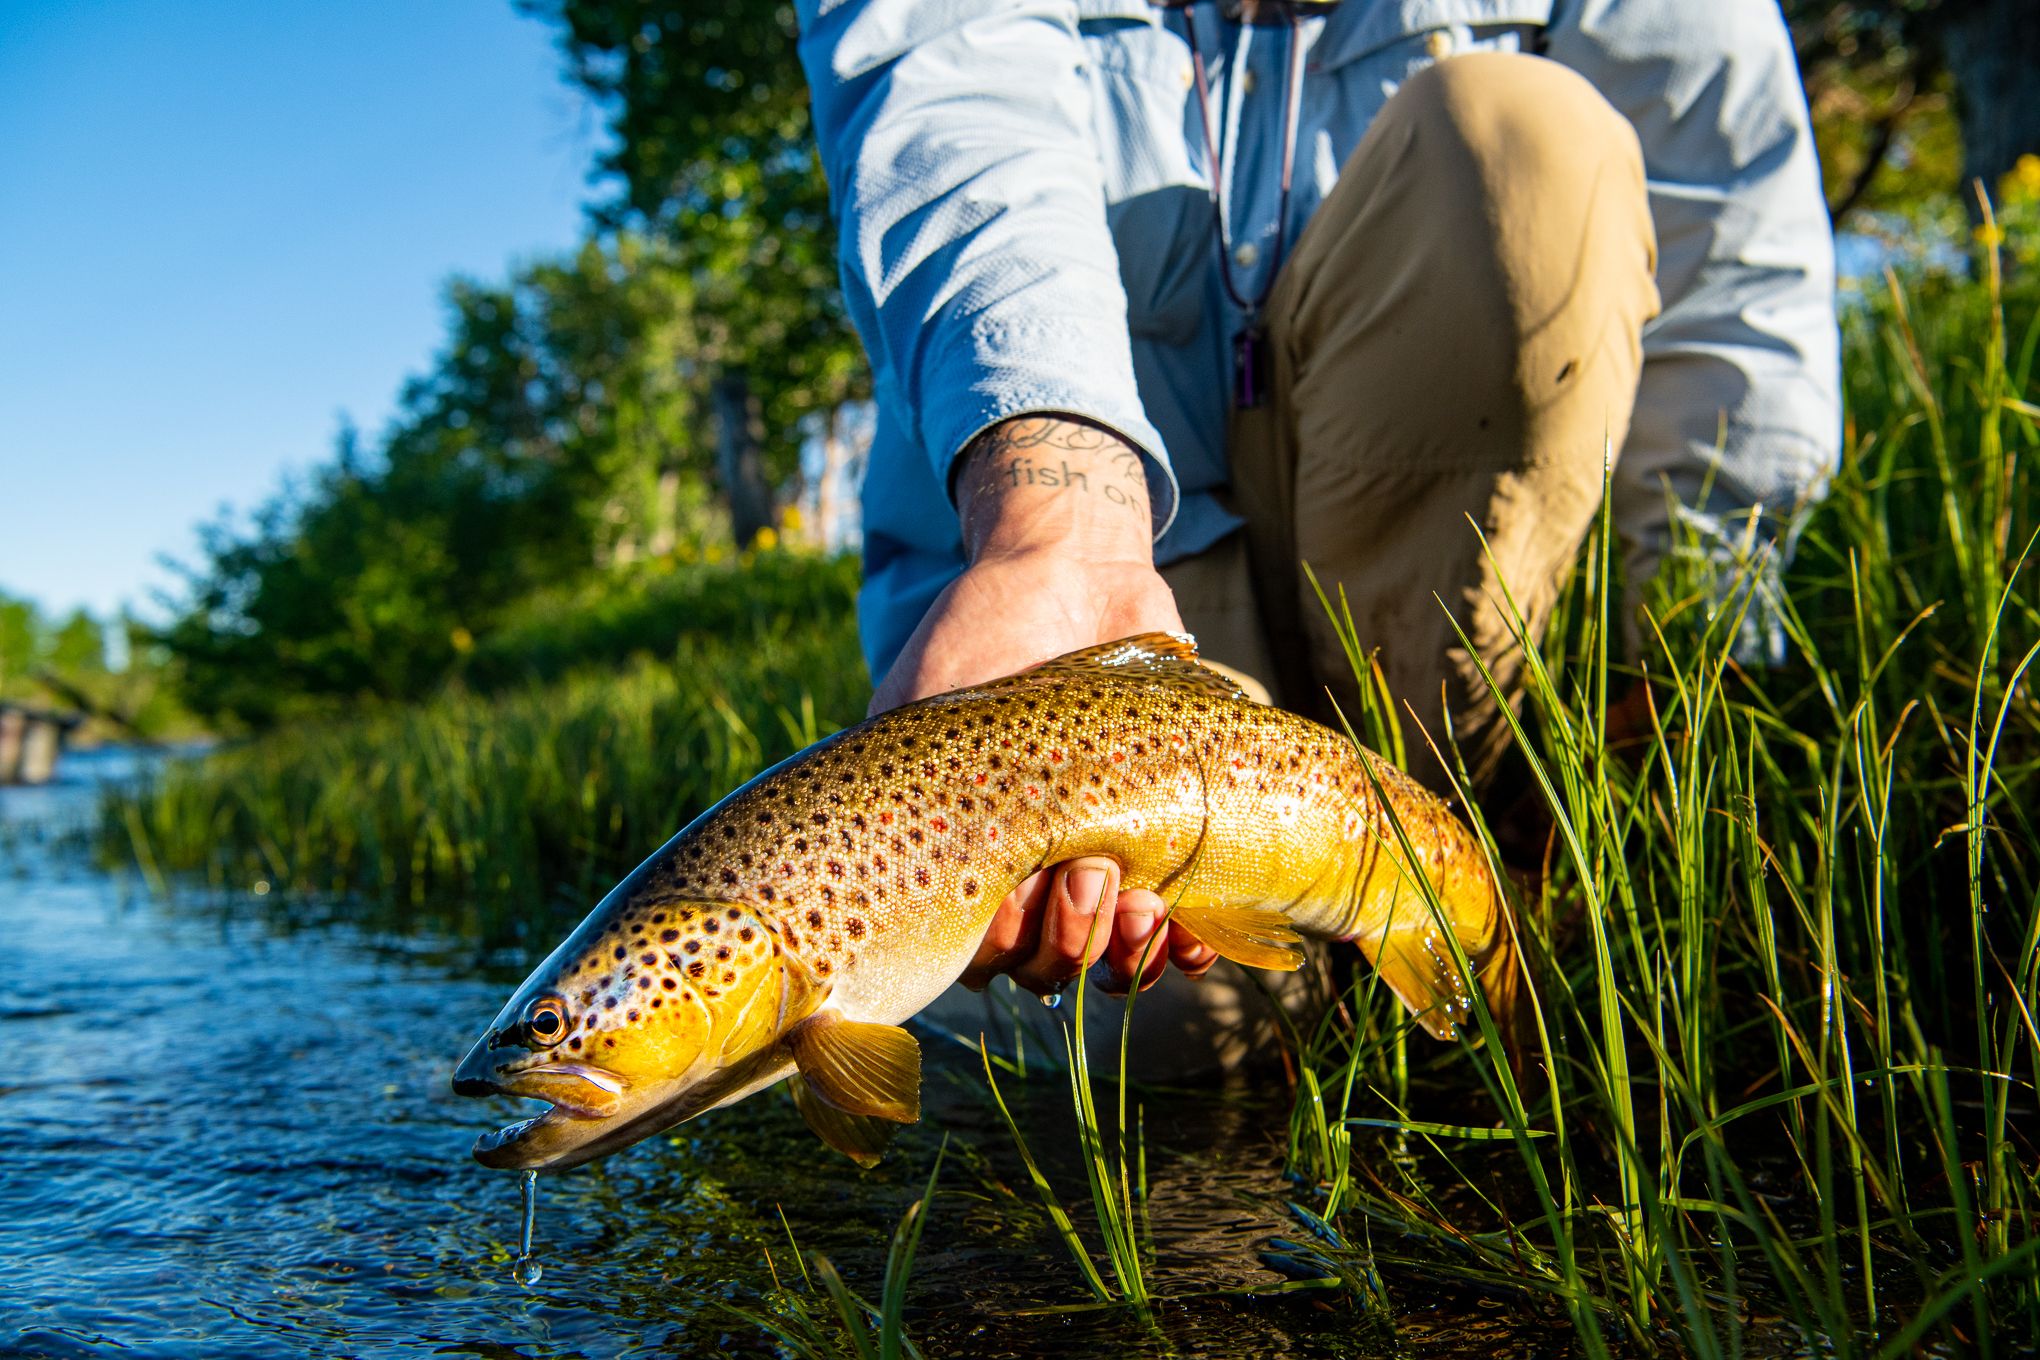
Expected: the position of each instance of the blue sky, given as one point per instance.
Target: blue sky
(222, 226)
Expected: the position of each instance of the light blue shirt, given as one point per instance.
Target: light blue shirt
(1021, 191)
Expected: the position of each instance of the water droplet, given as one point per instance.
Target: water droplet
(526, 1270)
(1051, 999)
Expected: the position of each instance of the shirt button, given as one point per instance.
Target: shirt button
(1247, 81)
(1439, 44)
(1246, 254)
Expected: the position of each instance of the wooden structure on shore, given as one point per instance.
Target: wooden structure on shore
(30, 739)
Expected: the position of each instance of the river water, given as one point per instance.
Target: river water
(221, 1137)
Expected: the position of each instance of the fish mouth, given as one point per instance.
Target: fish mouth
(583, 1097)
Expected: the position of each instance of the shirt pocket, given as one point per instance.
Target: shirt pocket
(1158, 204)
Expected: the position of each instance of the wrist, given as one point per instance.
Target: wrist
(1053, 484)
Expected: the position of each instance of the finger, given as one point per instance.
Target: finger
(1014, 934)
(1076, 924)
(1140, 929)
(1192, 957)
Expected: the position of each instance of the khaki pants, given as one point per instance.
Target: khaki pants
(1455, 339)
(1454, 343)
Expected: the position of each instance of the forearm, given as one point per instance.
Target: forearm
(966, 179)
(1053, 484)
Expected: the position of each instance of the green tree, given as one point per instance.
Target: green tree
(553, 434)
(77, 646)
(714, 153)
(1914, 100)
(20, 640)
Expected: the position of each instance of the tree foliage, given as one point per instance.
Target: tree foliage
(64, 663)
(555, 432)
(1913, 100)
(713, 152)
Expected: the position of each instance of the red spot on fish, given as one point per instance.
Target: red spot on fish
(939, 824)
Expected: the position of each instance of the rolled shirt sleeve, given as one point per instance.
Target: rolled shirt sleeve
(957, 136)
(1738, 413)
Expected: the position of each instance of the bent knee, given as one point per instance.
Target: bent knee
(1519, 114)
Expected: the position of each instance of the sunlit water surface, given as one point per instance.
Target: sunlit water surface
(222, 1138)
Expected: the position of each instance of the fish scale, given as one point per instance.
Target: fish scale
(793, 927)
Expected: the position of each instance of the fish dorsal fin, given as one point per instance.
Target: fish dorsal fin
(872, 1070)
(1165, 658)
(859, 1137)
(1256, 936)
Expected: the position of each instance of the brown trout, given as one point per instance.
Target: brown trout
(791, 929)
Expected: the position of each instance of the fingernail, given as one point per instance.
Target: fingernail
(1136, 926)
(1087, 890)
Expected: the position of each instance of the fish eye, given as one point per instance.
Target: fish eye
(546, 1020)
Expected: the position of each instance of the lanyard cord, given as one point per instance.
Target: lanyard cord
(1292, 93)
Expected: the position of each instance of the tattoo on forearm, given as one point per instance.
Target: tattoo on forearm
(1037, 453)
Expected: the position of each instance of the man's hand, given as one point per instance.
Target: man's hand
(1057, 530)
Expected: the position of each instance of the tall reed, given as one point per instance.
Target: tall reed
(1787, 950)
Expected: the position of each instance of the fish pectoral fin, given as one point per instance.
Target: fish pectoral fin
(1258, 937)
(860, 1068)
(859, 1137)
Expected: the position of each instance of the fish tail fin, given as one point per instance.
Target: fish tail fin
(1255, 936)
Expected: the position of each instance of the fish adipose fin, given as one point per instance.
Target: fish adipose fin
(1258, 937)
(862, 1069)
(859, 1137)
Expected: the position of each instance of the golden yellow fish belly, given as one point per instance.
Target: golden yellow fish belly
(882, 854)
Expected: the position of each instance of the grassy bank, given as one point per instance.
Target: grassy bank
(1780, 1093)
(499, 812)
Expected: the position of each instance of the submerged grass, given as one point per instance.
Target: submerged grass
(1782, 1056)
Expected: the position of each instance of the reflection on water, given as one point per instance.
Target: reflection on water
(225, 1140)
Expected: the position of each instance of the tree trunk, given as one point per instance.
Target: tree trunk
(1992, 49)
(739, 456)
